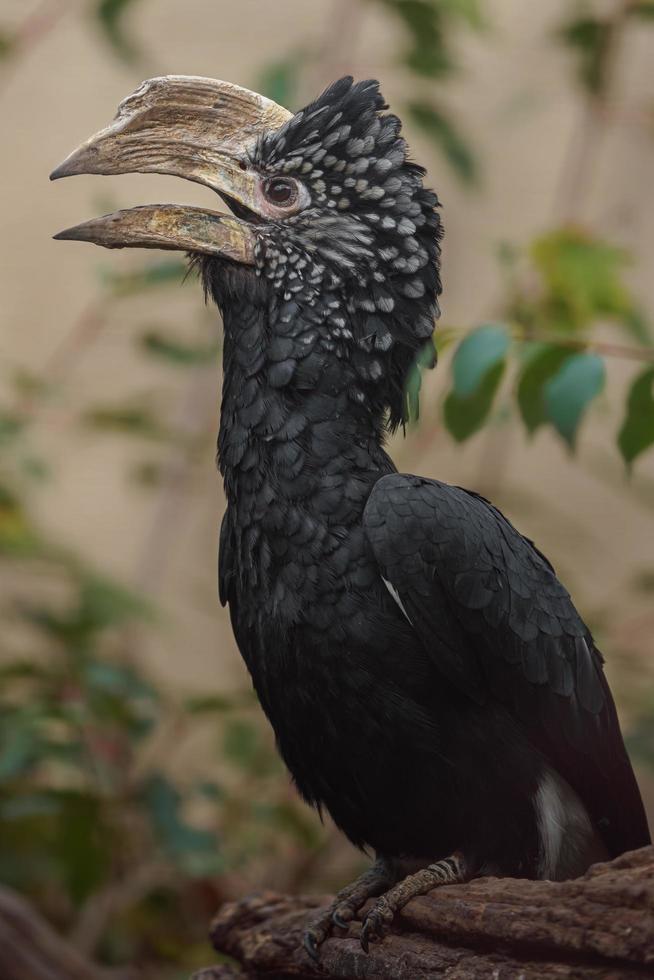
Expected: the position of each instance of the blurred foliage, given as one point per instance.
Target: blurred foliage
(477, 369)
(111, 16)
(558, 291)
(280, 80)
(581, 282)
(590, 36)
(176, 350)
(637, 432)
(99, 802)
(90, 815)
(428, 28)
(439, 128)
(128, 419)
(431, 27)
(158, 273)
(104, 825)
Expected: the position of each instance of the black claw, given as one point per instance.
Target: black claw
(339, 921)
(311, 945)
(368, 932)
(373, 928)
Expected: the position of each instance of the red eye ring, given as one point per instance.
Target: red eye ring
(280, 191)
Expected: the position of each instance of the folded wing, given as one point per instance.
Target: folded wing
(488, 607)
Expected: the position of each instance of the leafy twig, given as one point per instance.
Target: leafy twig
(605, 348)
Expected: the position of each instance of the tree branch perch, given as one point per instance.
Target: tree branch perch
(598, 926)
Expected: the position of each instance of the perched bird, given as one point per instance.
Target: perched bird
(428, 678)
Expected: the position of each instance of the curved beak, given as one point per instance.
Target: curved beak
(200, 129)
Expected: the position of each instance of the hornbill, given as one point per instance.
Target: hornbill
(428, 678)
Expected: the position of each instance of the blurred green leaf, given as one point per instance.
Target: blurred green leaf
(29, 384)
(164, 272)
(244, 747)
(148, 472)
(104, 603)
(639, 738)
(279, 80)
(476, 354)
(289, 819)
(118, 679)
(444, 337)
(17, 535)
(241, 743)
(130, 420)
(7, 45)
(423, 20)
(19, 745)
(110, 14)
(209, 704)
(176, 351)
(194, 849)
(636, 324)
(100, 604)
(637, 432)
(544, 363)
(11, 426)
(29, 805)
(644, 9)
(588, 37)
(425, 359)
(583, 277)
(466, 415)
(20, 669)
(427, 23)
(569, 392)
(35, 467)
(443, 132)
(84, 850)
(470, 12)
(211, 790)
(643, 581)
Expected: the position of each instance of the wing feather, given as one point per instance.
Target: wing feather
(488, 607)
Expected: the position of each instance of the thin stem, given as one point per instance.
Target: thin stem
(589, 134)
(606, 348)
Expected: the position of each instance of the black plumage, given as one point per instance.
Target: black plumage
(426, 731)
(428, 678)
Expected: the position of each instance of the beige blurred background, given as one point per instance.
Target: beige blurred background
(514, 99)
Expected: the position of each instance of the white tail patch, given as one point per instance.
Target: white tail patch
(568, 841)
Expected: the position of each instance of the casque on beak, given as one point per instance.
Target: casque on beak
(200, 129)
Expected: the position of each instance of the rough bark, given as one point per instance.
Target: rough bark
(598, 926)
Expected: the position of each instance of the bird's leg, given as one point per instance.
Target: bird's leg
(449, 871)
(347, 903)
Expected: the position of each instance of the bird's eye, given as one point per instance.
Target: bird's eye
(281, 191)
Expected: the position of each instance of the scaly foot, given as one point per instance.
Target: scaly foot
(346, 905)
(449, 871)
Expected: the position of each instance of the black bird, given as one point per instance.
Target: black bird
(428, 678)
